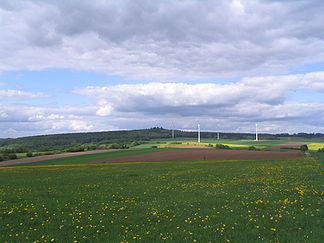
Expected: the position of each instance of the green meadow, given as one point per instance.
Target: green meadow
(94, 157)
(197, 201)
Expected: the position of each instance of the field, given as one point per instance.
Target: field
(244, 144)
(84, 157)
(202, 154)
(189, 201)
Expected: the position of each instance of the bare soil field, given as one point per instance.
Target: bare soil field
(289, 145)
(53, 156)
(203, 154)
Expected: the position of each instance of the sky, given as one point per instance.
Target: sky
(82, 66)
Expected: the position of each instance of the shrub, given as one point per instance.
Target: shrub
(1, 158)
(134, 143)
(48, 153)
(91, 147)
(75, 149)
(222, 146)
(252, 148)
(12, 156)
(304, 147)
(118, 146)
(29, 154)
(321, 150)
(154, 146)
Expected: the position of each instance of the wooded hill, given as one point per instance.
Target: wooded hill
(69, 140)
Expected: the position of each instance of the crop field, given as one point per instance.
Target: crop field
(243, 144)
(189, 201)
(316, 146)
(93, 157)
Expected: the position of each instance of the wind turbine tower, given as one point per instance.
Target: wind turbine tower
(256, 132)
(198, 133)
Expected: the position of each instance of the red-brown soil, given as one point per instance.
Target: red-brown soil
(289, 145)
(203, 154)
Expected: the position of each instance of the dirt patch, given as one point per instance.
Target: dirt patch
(289, 145)
(53, 156)
(203, 154)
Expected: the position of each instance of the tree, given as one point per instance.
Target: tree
(304, 147)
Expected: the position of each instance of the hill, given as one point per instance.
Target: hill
(70, 140)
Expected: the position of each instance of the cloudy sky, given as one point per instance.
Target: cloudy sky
(74, 66)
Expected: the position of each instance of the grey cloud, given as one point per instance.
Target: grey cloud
(162, 40)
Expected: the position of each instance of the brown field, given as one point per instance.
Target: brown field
(289, 145)
(52, 156)
(203, 154)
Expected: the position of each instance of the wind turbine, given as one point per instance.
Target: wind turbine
(256, 132)
(198, 133)
(173, 133)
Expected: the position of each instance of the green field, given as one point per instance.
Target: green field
(206, 201)
(93, 157)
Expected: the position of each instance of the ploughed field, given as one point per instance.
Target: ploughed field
(203, 154)
(277, 200)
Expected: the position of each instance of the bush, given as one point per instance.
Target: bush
(303, 148)
(91, 147)
(75, 149)
(321, 150)
(49, 153)
(118, 146)
(29, 154)
(12, 156)
(134, 143)
(1, 158)
(252, 148)
(154, 146)
(210, 145)
(222, 146)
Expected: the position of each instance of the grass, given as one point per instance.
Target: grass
(93, 157)
(146, 145)
(202, 201)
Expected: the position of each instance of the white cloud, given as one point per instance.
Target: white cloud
(231, 107)
(187, 99)
(162, 40)
(73, 125)
(18, 95)
(105, 109)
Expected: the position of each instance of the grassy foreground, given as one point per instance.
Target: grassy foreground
(227, 201)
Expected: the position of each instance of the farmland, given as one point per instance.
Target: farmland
(176, 201)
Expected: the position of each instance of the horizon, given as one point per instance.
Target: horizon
(179, 130)
(79, 66)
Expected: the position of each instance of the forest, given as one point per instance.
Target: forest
(72, 142)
